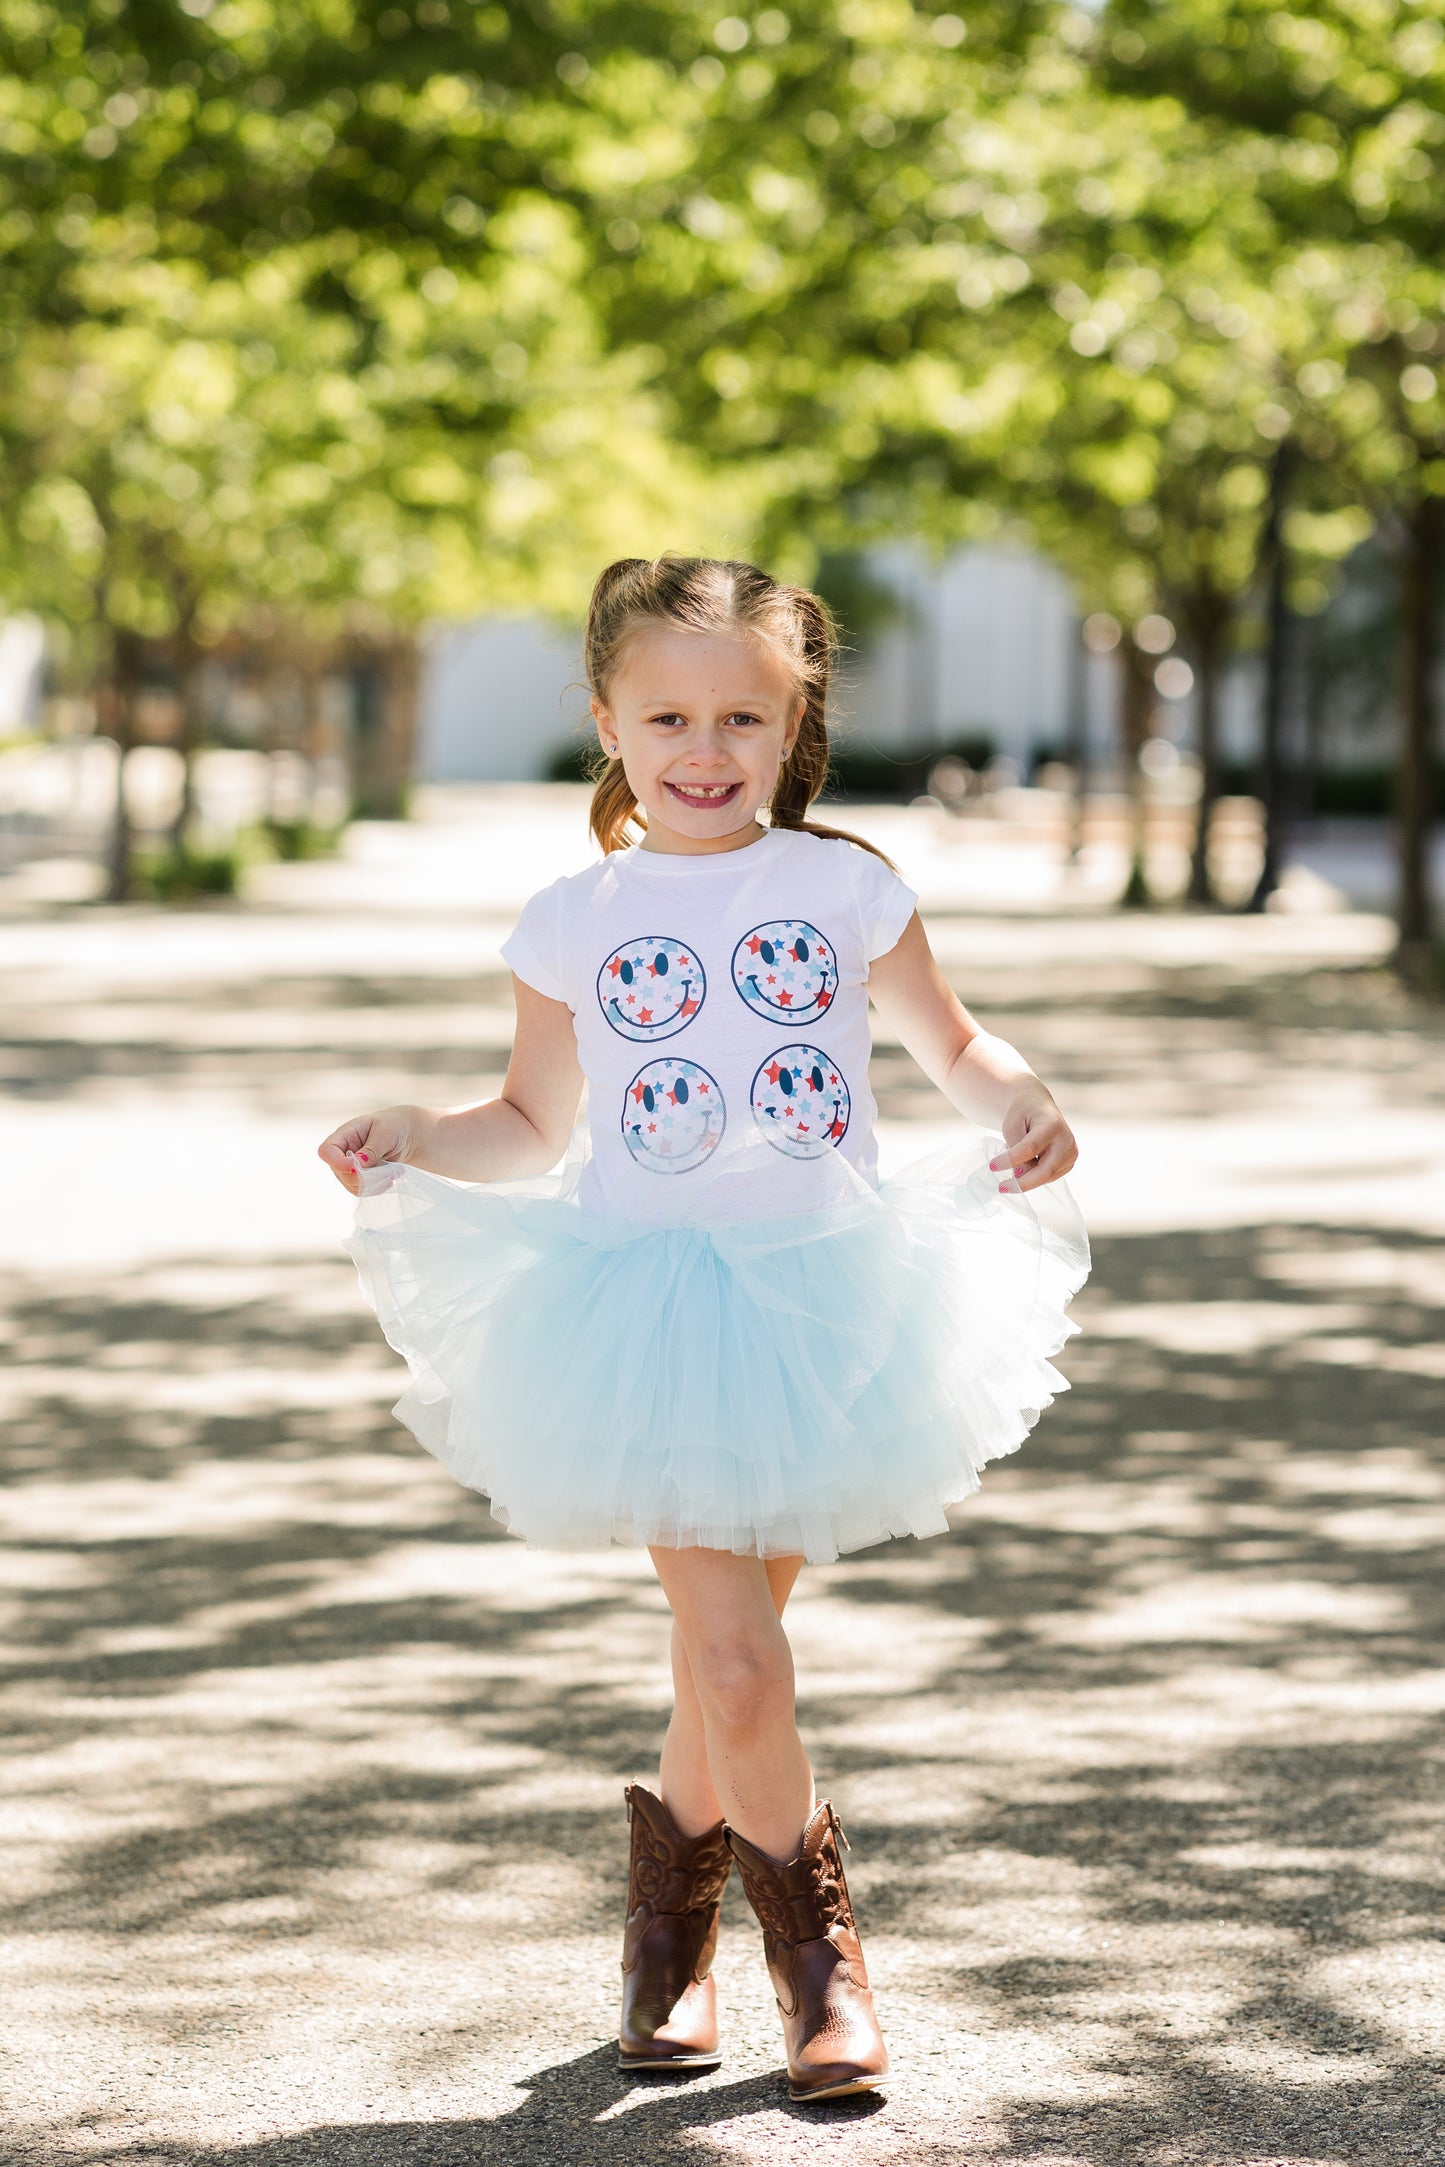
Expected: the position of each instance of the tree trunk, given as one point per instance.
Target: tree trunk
(1136, 704)
(386, 684)
(1272, 779)
(1207, 629)
(313, 728)
(188, 691)
(403, 703)
(1415, 773)
(118, 700)
(1078, 741)
(1307, 782)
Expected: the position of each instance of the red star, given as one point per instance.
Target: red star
(637, 1091)
(702, 1090)
(822, 953)
(790, 1110)
(644, 1015)
(837, 1129)
(785, 1000)
(795, 956)
(615, 966)
(772, 1072)
(652, 1128)
(689, 1008)
(754, 945)
(771, 980)
(823, 999)
(684, 963)
(832, 1079)
(802, 1128)
(672, 1098)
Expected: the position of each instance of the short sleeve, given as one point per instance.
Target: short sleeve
(885, 902)
(534, 947)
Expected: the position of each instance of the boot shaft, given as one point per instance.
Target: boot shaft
(806, 1898)
(673, 1876)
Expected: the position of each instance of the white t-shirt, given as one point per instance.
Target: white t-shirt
(721, 1010)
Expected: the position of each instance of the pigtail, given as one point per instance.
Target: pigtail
(613, 808)
(805, 771)
(614, 600)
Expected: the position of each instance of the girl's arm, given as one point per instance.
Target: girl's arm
(523, 1132)
(983, 1076)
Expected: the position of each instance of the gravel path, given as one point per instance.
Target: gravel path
(314, 1848)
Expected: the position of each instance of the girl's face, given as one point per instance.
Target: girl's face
(702, 723)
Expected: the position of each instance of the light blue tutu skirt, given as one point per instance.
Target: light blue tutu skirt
(808, 1385)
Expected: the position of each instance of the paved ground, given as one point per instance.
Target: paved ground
(312, 1833)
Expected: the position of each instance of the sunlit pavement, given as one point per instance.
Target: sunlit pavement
(313, 1839)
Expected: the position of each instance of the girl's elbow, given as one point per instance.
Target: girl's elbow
(548, 1149)
(544, 1139)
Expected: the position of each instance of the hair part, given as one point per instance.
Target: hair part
(716, 595)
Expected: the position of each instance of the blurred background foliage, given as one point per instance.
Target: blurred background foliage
(321, 318)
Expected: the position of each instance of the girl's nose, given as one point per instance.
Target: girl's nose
(709, 751)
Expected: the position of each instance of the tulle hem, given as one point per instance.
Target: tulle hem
(807, 1386)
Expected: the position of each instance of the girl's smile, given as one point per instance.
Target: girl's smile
(708, 794)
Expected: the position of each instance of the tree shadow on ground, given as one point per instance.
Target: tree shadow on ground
(1195, 1039)
(1232, 1520)
(569, 2114)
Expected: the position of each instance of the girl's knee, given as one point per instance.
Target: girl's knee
(743, 1685)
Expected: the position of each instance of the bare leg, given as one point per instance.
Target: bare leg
(733, 1748)
(685, 1781)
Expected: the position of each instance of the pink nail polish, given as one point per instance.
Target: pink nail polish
(364, 1158)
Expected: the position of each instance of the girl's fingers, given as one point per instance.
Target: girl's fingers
(1020, 1156)
(1035, 1162)
(1054, 1164)
(342, 1149)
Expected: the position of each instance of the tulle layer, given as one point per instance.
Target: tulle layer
(809, 1385)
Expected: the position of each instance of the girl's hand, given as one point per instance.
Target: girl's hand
(369, 1141)
(1041, 1145)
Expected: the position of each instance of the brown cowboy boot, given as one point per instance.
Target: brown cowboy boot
(674, 1893)
(815, 1961)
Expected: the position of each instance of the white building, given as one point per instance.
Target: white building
(22, 673)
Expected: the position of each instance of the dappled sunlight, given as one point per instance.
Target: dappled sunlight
(1132, 1760)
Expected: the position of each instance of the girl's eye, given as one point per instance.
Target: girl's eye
(667, 718)
(742, 717)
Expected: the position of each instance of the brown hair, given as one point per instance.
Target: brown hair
(709, 594)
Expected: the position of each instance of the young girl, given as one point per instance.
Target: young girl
(717, 1334)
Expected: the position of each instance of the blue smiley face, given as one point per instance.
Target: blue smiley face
(800, 1102)
(651, 988)
(786, 971)
(673, 1116)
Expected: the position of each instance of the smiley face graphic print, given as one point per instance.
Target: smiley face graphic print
(651, 988)
(800, 1101)
(673, 1116)
(720, 1007)
(786, 970)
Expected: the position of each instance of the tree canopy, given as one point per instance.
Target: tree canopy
(341, 307)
